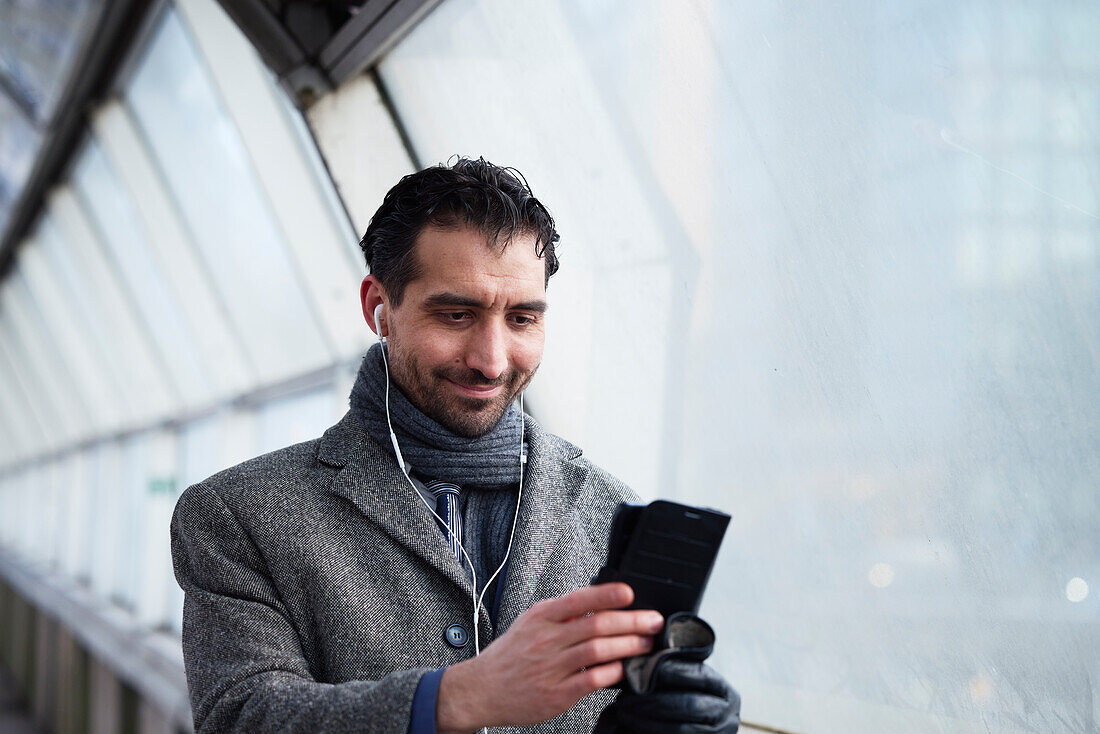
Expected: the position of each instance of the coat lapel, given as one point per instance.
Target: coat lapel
(550, 486)
(370, 479)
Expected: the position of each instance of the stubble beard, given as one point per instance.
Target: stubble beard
(468, 417)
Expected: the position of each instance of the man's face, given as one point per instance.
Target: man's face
(469, 333)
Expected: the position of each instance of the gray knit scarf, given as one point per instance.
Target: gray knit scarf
(489, 461)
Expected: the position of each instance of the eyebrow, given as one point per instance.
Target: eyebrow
(454, 299)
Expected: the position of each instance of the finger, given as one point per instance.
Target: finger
(687, 675)
(591, 679)
(599, 650)
(588, 599)
(610, 624)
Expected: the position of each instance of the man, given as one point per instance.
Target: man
(330, 588)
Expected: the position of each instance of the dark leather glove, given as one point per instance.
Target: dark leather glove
(671, 690)
(688, 698)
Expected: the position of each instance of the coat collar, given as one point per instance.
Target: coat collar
(370, 479)
(552, 480)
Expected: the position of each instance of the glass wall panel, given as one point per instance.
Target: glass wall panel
(29, 370)
(31, 537)
(24, 508)
(109, 205)
(106, 497)
(294, 419)
(199, 450)
(78, 291)
(74, 500)
(48, 523)
(49, 364)
(9, 444)
(317, 244)
(326, 182)
(7, 509)
(76, 336)
(16, 369)
(73, 250)
(91, 548)
(154, 511)
(202, 157)
(826, 267)
(129, 542)
(222, 354)
(16, 413)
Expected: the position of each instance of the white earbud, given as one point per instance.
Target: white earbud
(378, 321)
(386, 362)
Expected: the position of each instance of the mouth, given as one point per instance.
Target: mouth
(476, 391)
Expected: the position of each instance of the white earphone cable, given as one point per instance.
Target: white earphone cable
(515, 519)
(476, 599)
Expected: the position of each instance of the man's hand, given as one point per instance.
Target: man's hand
(555, 653)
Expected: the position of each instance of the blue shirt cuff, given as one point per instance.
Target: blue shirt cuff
(423, 708)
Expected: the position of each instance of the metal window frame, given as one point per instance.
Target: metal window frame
(115, 26)
(352, 49)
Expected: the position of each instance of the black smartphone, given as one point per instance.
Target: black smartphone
(665, 551)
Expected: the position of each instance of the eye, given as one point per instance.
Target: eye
(454, 317)
(521, 319)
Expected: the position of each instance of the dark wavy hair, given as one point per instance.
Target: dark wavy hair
(464, 192)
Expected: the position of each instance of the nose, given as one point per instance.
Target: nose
(487, 351)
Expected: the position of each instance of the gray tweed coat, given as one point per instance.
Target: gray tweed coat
(318, 588)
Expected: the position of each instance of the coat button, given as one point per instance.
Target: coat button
(456, 635)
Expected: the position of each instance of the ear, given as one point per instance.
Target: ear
(372, 295)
